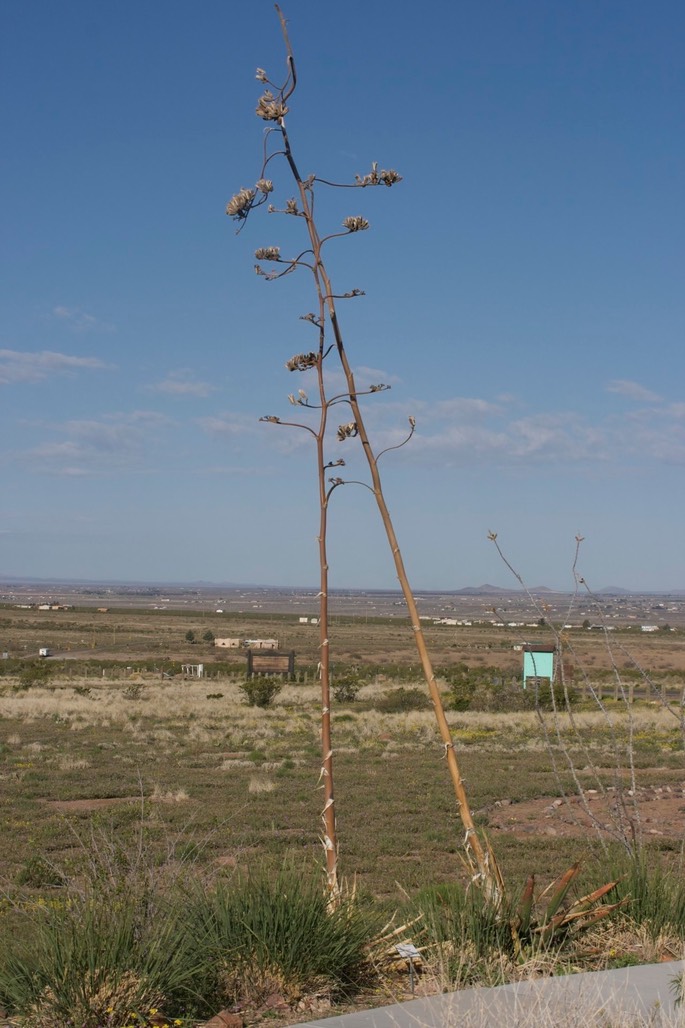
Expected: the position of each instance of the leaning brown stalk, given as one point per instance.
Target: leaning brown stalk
(273, 108)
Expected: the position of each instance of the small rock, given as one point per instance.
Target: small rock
(275, 1001)
(225, 1019)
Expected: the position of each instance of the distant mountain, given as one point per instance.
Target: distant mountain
(614, 590)
(483, 590)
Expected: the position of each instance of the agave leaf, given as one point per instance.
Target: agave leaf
(562, 884)
(525, 905)
(599, 912)
(589, 917)
(548, 928)
(586, 901)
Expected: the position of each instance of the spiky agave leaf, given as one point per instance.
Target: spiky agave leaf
(525, 906)
(560, 887)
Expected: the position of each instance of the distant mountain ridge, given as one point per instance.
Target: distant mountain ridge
(478, 590)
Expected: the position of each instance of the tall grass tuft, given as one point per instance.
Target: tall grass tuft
(655, 894)
(467, 937)
(276, 933)
(88, 961)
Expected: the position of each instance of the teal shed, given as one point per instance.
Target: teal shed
(538, 662)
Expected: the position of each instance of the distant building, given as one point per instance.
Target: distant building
(538, 662)
(228, 644)
(193, 670)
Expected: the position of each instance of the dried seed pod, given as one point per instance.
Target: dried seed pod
(239, 205)
(355, 223)
(270, 108)
(389, 178)
(302, 361)
(268, 253)
(347, 431)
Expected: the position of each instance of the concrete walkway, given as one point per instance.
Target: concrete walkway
(629, 996)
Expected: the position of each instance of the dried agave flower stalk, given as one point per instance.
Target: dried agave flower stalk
(272, 107)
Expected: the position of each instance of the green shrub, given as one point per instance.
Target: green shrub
(260, 692)
(399, 701)
(551, 697)
(346, 686)
(36, 673)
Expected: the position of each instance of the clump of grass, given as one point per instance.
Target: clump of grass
(91, 960)
(656, 894)
(39, 873)
(473, 940)
(268, 933)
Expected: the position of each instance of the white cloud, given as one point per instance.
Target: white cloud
(463, 431)
(97, 446)
(79, 320)
(632, 390)
(228, 424)
(182, 383)
(20, 366)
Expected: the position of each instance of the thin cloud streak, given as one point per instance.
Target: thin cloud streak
(117, 442)
(632, 390)
(182, 383)
(17, 366)
(80, 321)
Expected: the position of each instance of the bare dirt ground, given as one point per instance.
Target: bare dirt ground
(661, 813)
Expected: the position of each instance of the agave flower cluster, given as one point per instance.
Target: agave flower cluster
(268, 253)
(270, 107)
(355, 223)
(378, 178)
(240, 205)
(302, 361)
(347, 431)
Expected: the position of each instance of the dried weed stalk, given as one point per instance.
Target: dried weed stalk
(564, 732)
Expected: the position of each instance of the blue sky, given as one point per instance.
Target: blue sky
(523, 289)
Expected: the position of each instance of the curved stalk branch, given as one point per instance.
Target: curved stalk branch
(287, 424)
(398, 446)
